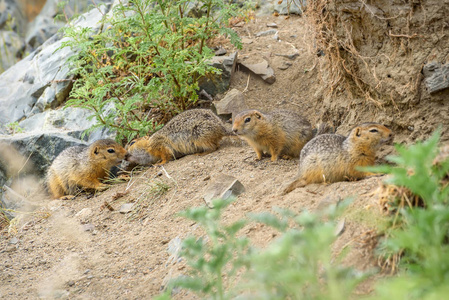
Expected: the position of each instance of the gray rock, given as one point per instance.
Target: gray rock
(289, 56)
(40, 30)
(13, 240)
(84, 213)
(12, 17)
(266, 33)
(174, 249)
(231, 104)
(71, 8)
(219, 83)
(223, 187)
(289, 7)
(220, 51)
(71, 121)
(88, 227)
(126, 208)
(262, 69)
(285, 65)
(436, 77)
(10, 248)
(340, 227)
(272, 25)
(12, 48)
(24, 83)
(31, 154)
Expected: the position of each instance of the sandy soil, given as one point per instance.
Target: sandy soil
(80, 249)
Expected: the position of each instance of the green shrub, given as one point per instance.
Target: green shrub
(419, 234)
(214, 259)
(298, 264)
(144, 66)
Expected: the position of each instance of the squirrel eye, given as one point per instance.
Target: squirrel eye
(374, 130)
(132, 143)
(111, 150)
(247, 120)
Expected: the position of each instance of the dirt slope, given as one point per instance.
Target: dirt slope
(84, 251)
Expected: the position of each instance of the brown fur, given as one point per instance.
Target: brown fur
(83, 167)
(193, 131)
(280, 133)
(333, 157)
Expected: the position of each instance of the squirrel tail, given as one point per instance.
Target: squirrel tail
(298, 182)
(322, 128)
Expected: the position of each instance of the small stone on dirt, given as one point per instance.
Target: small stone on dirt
(231, 104)
(262, 69)
(88, 227)
(289, 56)
(223, 187)
(70, 283)
(436, 77)
(11, 248)
(84, 213)
(285, 65)
(272, 25)
(247, 41)
(340, 227)
(220, 51)
(266, 33)
(14, 240)
(126, 208)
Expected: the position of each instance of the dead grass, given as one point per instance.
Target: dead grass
(346, 67)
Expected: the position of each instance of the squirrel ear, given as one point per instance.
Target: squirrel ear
(258, 115)
(357, 131)
(96, 150)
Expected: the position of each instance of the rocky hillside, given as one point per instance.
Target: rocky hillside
(342, 62)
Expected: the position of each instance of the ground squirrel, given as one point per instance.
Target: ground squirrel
(83, 167)
(333, 157)
(193, 131)
(280, 133)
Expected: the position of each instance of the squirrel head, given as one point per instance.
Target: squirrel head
(107, 151)
(246, 122)
(371, 135)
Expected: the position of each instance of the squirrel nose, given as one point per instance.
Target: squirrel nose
(127, 155)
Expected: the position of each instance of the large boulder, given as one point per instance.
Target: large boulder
(219, 83)
(44, 70)
(31, 154)
(24, 159)
(12, 17)
(40, 30)
(12, 48)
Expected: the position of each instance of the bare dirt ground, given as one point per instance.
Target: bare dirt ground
(79, 249)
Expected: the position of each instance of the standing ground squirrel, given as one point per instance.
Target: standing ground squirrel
(193, 131)
(333, 157)
(280, 132)
(83, 167)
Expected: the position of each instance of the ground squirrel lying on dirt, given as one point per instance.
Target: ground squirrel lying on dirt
(333, 157)
(83, 167)
(193, 131)
(280, 133)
